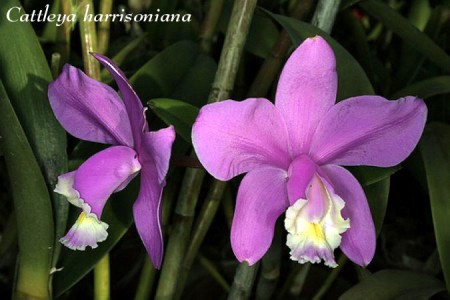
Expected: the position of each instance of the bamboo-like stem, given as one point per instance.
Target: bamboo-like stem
(101, 279)
(325, 14)
(272, 65)
(145, 281)
(104, 26)
(270, 268)
(88, 39)
(63, 33)
(55, 64)
(243, 281)
(212, 270)
(223, 83)
(209, 26)
(298, 281)
(205, 218)
(342, 260)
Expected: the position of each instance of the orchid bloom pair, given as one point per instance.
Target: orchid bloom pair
(291, 152)
(92, 111)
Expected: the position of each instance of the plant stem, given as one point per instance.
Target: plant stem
(331, 278)
(210, 24)
(212, 270)
(207, 214)
(55, 64)
(104, 26)
(223, 83)
(243, 281)
(88, 39)
(101, 279)
(63, 33)
(272, 65)
(325, 14)
(145, 281)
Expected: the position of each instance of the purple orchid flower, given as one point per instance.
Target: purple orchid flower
(293, 151)
(92, 111)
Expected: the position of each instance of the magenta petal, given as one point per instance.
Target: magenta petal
(306, 90)
(369, 130)
(135, 110)
(261, 199)
(359, 241)
(103, 173)
(300, 172)
(88, 109)
(233, 137)
(154, 156)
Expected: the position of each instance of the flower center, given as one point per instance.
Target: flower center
(315, 224)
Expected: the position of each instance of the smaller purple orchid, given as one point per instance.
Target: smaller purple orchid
(92, 111)
(292, 153)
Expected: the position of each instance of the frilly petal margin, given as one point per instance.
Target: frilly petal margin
(231, 137)
(154, 155)
(261, 199)
(306, 90)
(369, 130)
(359, 241)
(88, 109)
(133, 104)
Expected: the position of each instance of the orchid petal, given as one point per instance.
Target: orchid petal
(233, 137)
(88, 109)
(369, 130)
(154, 156)
(133, 104)
(359, 241)
(261, 199)
(103, 173)
(306, 90)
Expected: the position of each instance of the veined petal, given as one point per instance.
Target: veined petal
(369, 130)
(154, 155)
(231, 137)
(358, 242)
(261, 199)
(88, 109)
(306, 90)
(133, 104)
(89, 188)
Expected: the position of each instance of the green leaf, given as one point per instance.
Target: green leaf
(181, 71)
(370, 175)
(26, 75)
(394, 284)
(426, 88)
(177, 113)
(435, 149)
(76, 264)
(262, 36)
(410, 34)
(353, 80)
(32, 205)
(377, 195)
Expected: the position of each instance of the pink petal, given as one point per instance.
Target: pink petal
(103, 173)
(88, 109)
(233, 137)
(306, 90)
(359, 241)
(369, 130)
(133, 104)
(300, 173)
(261, 199)
(154, 156)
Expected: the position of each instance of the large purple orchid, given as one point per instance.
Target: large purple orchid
(293, 151)
(92, 111)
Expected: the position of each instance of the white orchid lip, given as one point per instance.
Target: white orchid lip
(88, 230)
(314, 233)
